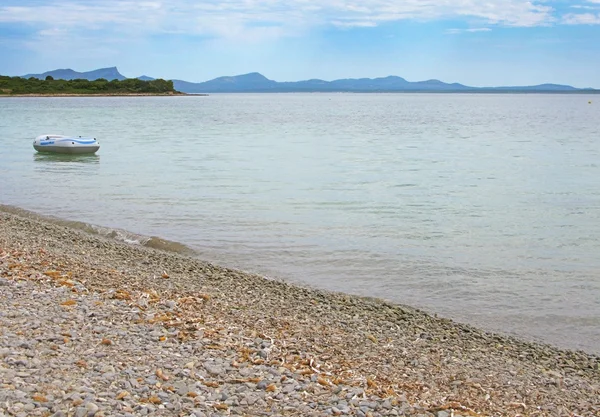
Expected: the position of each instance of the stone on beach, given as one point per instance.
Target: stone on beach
(97, 336)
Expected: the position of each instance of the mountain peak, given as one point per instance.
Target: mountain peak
(109, 73)
(393, 77)
(256, 76)
(243, 82)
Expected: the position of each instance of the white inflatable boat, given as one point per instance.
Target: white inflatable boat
(65, 144)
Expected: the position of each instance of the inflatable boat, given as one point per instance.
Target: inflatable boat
(65, 144)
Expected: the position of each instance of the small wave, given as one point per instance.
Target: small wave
(120, 235)
(117, 234)
(168, 245)
(142, 240)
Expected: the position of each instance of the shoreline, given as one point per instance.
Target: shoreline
(105, 95)
(179, 247)
(401, 359)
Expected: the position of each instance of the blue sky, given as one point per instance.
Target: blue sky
(474, 42)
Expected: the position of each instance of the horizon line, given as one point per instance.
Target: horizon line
(319, 79)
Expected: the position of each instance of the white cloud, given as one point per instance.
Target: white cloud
(581, 19)
(247, 20)
(354, 23)
(470, 30)
(52, 32)
(589, 5)
(74, 12)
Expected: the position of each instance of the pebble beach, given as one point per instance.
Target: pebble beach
(94, 327)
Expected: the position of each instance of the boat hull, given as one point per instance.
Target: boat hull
(67, 150)
(65, 144)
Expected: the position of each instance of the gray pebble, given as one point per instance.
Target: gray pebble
(213, 369)
(92, 409)
(262, 384)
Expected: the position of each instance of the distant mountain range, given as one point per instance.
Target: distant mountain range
(258, 83)
(109, 74)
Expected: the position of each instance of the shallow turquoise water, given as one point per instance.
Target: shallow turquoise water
(483, 208)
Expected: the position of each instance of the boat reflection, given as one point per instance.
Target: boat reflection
(66, 158)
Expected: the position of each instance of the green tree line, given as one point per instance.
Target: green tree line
(18, 85)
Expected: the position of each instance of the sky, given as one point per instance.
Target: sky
(474, 42)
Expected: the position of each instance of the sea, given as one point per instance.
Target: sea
(482, 208)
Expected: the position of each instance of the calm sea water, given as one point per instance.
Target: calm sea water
(482, 208)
